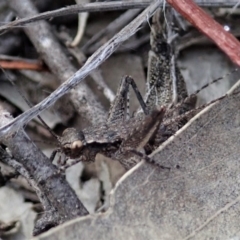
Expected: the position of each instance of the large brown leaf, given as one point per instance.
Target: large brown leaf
(197, 199)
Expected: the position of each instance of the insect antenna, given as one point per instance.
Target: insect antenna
(29, 104)
(193, 95)
(192, 112)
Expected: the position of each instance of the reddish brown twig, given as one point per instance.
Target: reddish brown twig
(201, 20)
(21, 64)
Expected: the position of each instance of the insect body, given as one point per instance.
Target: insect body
(118, 136)
(126, 138)
(121, 134)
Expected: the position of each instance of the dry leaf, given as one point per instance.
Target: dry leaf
(197, 199)
(14, 209)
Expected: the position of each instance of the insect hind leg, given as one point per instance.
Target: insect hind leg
(120, 107)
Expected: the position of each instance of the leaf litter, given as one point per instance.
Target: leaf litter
(183, 219)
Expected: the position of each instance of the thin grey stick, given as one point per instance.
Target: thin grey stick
(74, 9)
(113, 27)
(95, 75)
(99, 80)
(102, 6)
(134, 44)
(92, 63)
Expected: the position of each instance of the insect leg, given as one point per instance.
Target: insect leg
(146, 158)
(120, 107)
(53, 155)
(165, 84)
(138, 138)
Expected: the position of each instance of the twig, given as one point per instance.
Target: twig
(101, 6)
(82, 20)
(133, 44)
(45, 178)
(98, 78)
(90, 7)
(92, 63)
(5, 158)
(95, 75)
(206, 24)
(53, 55)
(29, 104)
(113, 27)
(22, 64)
(194, 37)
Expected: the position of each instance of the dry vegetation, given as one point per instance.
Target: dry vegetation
(69, 66)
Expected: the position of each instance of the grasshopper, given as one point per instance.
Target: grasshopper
(126, 138)
(119, 135)
(129, 139)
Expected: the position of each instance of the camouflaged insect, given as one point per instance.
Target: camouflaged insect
(129, 139)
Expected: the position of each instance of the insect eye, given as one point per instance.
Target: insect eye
(77, 144)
